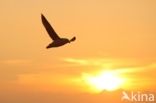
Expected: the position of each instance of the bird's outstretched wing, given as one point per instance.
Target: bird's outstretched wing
(49, 28)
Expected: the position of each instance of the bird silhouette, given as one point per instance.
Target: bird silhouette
(56, 40)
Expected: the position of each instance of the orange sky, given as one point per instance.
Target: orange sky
(111, 34)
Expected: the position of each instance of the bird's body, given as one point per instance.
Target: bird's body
(57, 41)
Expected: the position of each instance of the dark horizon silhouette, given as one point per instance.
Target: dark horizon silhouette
(57, 41)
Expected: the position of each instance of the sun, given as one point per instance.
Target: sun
(106, 80)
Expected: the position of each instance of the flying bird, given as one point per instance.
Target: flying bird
(56, 40)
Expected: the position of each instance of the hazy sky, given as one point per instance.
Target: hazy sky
(111, 34)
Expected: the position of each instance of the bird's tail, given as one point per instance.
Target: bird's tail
(49, 46)
(73, 39)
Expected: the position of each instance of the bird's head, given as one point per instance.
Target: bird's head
(73, 39)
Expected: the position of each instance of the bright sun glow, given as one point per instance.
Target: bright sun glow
(107, 80)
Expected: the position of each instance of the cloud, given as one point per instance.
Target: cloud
(12, 67)
(15, 61)
(92, 61)
(153, 65)
(104, 62)
(76, 61)
(133, 69)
